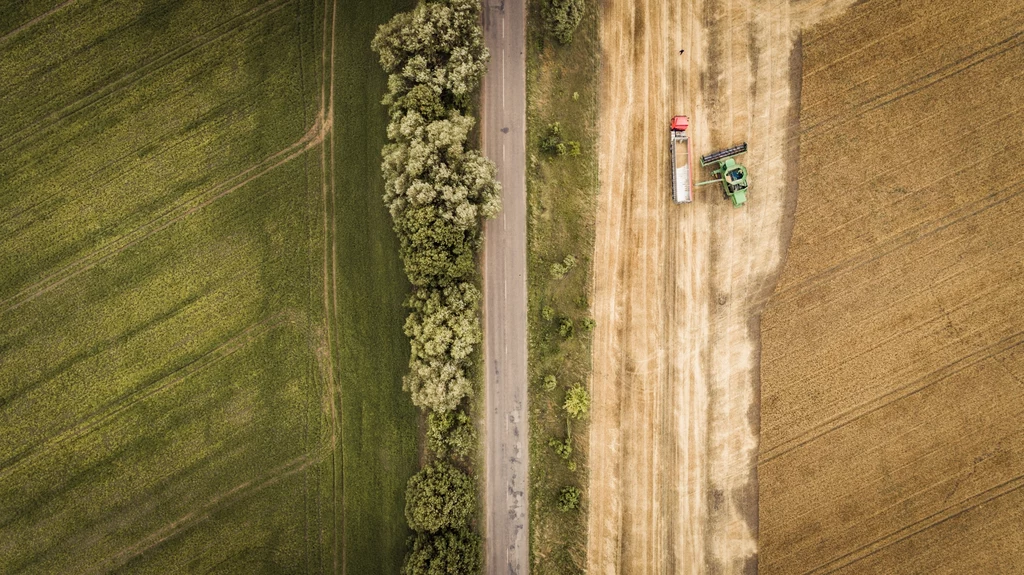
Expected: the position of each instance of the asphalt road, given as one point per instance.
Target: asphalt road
(503, 126)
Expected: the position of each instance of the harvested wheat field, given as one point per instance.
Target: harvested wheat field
(678, 289)
(892, 370)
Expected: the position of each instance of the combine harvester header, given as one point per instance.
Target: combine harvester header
(682, 183)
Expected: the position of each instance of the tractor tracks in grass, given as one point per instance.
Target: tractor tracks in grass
(216, 503)
(92, 421)
(40, 127)
(330, 269)
(313, 137)
(10, 35)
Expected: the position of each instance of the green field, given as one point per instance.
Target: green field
(179, 392)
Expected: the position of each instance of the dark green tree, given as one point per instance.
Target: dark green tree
(446, 553)
(439, 497)
(451, 433)
(562, 17)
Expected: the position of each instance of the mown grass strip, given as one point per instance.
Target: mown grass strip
(379, 423)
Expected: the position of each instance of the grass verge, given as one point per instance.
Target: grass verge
(562, 86)
(379, 423)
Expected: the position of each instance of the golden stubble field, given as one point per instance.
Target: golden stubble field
(678, 289)
(892, 371)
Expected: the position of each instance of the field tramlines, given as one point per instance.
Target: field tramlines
(167, 395)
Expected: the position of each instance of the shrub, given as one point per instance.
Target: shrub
(439, 497)
(588, 323)
(561, 269)
(565, 328)
(562, 17)
(548, 313)
(562, 448)
(550, 382)
(552, 139)
(577, 402)
(569, 498)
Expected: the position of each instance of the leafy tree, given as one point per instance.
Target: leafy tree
(562, 18)
(443, 329)
(577, 402)
(451, 432)
(569, 498)
(423, 100)
(438, 44)
(434, 250)
(439, 497)
(446, 553)
(428, 165)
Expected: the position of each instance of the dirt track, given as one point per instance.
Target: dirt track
(678, 289)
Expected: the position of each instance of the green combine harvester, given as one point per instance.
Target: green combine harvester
(732, 175)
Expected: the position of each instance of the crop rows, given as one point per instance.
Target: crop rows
(161, 394)
(892, 360)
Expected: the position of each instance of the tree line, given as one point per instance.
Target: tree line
(437, 191)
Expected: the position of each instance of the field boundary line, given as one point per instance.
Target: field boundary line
(35, 21)
(94, 419)
(145, 69)
(917, 527)
(219, 501)
(904, 239)
(880, 402)
(312, 138)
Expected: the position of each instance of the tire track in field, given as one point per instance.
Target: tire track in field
(913, 529)
(313, 137)
(143, 70)
(867, 408)
(911, 236)
(920, 83)
(34, 21)
(96, 418)
(216, 503)
(326, 119)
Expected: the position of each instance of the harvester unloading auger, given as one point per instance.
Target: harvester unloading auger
(732, 175)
